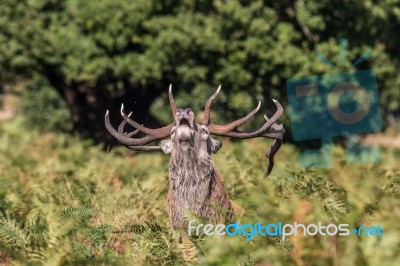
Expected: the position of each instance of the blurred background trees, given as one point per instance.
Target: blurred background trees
(90, 56)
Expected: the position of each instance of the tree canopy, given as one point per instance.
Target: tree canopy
(96, 54)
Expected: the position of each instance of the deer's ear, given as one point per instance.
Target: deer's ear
(215, 145)
(166, 146)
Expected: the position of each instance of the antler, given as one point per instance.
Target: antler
(269, 129)
(136, 144)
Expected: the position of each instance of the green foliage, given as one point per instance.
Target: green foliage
(81, 213)
(44, 108)
(12, 231)
(65, 202)
(250, 47)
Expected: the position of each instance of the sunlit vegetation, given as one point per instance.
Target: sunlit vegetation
(65, 201)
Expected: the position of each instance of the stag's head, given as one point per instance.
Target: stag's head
(184, 125)
(188, 138)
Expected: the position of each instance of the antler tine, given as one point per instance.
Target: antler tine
(207, 109)
(216, 129)
(271, 154)
(130, 134)
(157, 133)
(231, 126)
(151, 134)
(121, 129)
(124, 139)
(172, 101)
(133, 133)
(276, 133)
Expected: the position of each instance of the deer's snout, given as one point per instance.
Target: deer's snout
(184, 122)
(184, 117)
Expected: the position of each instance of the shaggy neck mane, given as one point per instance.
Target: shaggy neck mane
(192, 175)
(189, 163)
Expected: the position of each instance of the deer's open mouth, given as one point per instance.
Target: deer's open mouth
(185, 129)
(184, 122)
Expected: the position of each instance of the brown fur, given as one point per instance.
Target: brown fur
(194, 183)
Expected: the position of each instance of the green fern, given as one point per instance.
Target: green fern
(80, 213)
(13, 231)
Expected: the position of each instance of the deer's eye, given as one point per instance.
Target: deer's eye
(204, 131)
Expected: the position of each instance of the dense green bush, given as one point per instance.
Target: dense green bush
(99, 53)
(44, 108)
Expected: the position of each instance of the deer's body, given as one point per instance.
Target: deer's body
(194, 183)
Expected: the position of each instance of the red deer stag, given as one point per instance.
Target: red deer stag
(194, 182)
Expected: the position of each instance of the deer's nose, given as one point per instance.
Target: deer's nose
(184, 112)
